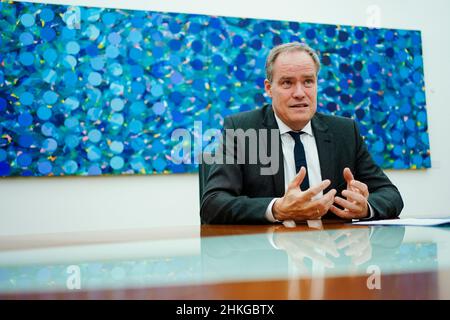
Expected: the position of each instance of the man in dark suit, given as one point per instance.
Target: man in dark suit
(324, 169)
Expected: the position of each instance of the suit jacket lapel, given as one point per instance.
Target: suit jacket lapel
(326, 149)
(278, 176)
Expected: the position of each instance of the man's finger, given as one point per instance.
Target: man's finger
(348, 175)
(347, 204)
(341, 213)
(320, 207)
(298, 179)
(311, 192)
(361, 187)
(354, 196)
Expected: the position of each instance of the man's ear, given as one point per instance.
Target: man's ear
(268, 87)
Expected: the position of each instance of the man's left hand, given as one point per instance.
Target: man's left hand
(355, 206)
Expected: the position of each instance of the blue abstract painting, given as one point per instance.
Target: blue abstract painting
(90, 91)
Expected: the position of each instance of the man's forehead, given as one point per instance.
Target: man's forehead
(289, 70)
(294, 62)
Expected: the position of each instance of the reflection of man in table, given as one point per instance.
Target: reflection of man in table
(325, 168)
(279, 251)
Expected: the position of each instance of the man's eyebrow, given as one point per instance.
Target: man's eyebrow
(286, 78)
(311, 75)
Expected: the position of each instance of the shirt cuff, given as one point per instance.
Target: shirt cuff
(371, 213)
(269, 214)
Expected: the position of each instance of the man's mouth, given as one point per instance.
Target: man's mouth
(299, 105)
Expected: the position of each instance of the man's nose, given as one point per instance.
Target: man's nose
(299, 91)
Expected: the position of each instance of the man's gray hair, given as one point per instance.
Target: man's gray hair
(289, 47)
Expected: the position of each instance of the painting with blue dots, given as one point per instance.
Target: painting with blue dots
(91, 91)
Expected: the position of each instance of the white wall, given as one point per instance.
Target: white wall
(104, 203)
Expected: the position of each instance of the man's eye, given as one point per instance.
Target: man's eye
(286, 83)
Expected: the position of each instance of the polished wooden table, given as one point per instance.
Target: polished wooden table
(336, 261)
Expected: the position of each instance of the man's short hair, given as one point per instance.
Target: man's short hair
(289, 47)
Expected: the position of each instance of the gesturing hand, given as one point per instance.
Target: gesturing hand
(355, 205)
(298, 205)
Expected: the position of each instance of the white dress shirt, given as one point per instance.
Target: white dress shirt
(312, 161)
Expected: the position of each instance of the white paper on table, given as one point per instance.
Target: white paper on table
(407, 222)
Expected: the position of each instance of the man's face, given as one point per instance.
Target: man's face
(294, 88)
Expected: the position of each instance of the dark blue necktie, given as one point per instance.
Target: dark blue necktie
(300, 158)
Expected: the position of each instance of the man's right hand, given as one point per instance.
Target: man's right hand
(298, 205)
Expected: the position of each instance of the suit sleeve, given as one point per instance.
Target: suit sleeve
(222, 201)
(384, 197)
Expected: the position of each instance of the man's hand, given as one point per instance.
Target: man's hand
(356, 243)
(298, 205)
(356, 205)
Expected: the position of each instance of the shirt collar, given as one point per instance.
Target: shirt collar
(284, 128)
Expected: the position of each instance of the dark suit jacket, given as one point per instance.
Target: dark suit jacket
(239, 194)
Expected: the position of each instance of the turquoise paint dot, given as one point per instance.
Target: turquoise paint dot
(26, 98)
(176, 78)
(135, 54)
(72, 47)
(50, 55)
(159, 108)
(26, 58)
(117, 104)
(417, 160)
(47, 15)
(115, 69)
(157, 146)
(94, 170)
(137, 163)
(71, 122)
(68, 33)
(137, 107)
(71, 141)
(94, 114)
(45, 167)
(50, 97)
(114, 38)
(135, 36)
(44, 113)
(116, 163)
(94, 135)
(117, 119)
(159, 164)
(112, 51)
(411, 142)
(92, 32)
(116, 147)
(70, 167)
(135, 126)
(26, 38)
(109, 18)
(97, 63)
(70, 62)
(116, 88)
(156, 91)
(49, 145)
(48, 129)
(378, 146)
(94, 153)
(95, 78)
(49, 76)
(27, 20)
(72, 103)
